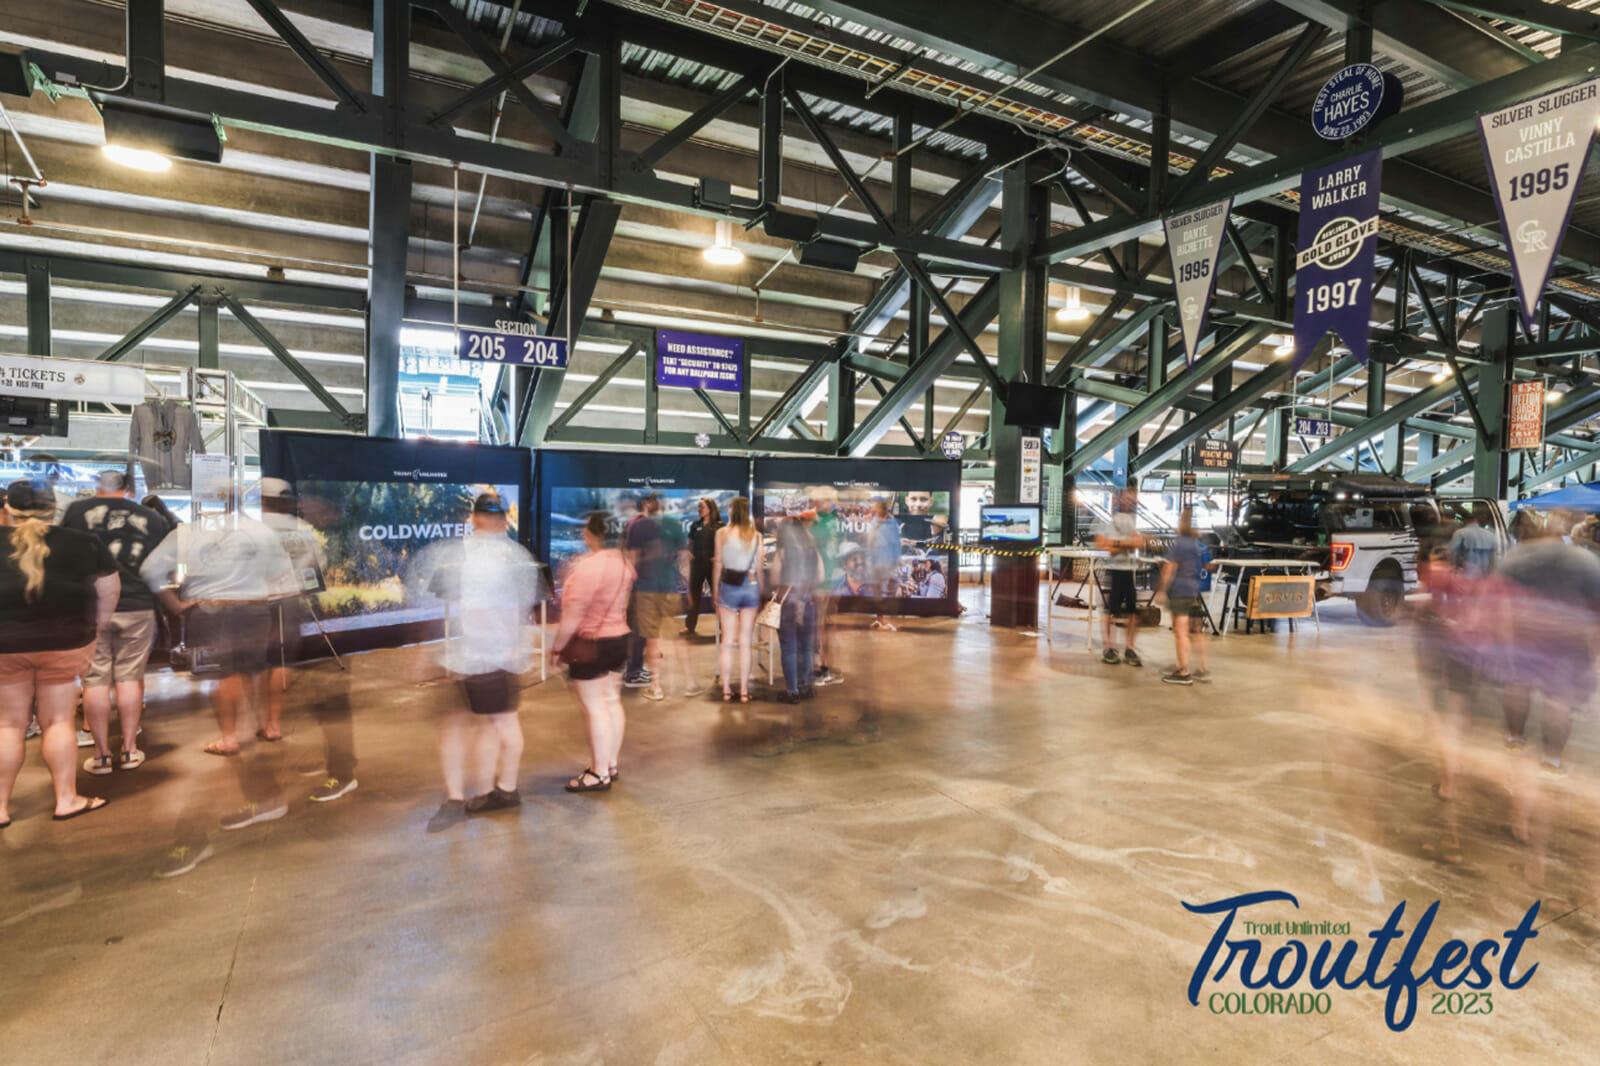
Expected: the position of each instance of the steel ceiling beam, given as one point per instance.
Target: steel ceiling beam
(976, 316)
(1428, 398)
(1220, 356)
(1263, 96)
(524, 68)
(274, 17)
(1552, 18)
(295, 366)
(144, 330)
(1426, 124)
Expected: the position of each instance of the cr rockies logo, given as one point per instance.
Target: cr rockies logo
(1532, 236)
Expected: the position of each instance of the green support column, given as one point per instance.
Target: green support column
(1025, 224)
(38, 306)
(1277, 427)
(1490, 469)
(210, 348)
(1155, 373)
(1067, 442)
(841, 403)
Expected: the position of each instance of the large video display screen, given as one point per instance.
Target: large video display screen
(376, 507)
(922, 495)
(573, 485)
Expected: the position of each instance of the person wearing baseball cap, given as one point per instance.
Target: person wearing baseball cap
(494, 584)
(130, 533)
(58, 589)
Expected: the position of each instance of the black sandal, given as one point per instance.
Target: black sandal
(91, 803)
(577, 784)
(615, 774)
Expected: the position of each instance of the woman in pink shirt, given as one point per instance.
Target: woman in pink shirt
(593, 642)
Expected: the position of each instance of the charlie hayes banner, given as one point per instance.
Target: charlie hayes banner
(1535, 151)
(1338, 240)
(1194, 241)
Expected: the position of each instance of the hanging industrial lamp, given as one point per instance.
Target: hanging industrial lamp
(1073, 310)
(723, 253)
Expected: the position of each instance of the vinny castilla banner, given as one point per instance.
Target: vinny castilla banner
(1194, 241)
(1338, 240)
(1535, 151)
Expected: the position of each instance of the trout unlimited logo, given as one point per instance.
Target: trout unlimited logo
(1292, 977)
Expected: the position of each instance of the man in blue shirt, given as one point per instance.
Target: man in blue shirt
(883, 541)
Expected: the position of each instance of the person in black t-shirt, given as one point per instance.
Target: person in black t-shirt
(58, 588)
(130, 533)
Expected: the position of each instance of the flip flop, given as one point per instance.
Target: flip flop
(5, 823)
(214, 748)
(93, 803)
(261, 734)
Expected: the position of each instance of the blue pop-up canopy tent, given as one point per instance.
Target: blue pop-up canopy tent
(1584, 498)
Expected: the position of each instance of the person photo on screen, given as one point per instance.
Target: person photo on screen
(1120, 537)
(917, 525)
(592, 642)
(702, 551)
(492, 585)
(737, 566)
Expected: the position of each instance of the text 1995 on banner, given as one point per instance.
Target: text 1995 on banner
(1535, 152)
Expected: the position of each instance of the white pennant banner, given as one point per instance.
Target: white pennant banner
(1535, 152)
(1194, 241)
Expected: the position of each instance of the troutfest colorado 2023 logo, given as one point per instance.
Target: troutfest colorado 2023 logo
(1293, 978)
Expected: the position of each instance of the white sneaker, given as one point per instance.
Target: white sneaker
(332, 789)
(85, 739)
(183, 858)
(33, 729)
(251, 813)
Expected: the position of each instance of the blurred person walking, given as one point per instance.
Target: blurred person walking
(1121, 537)
(58, 591)
(494, 584)
(826, 532)
(130, 533)
(1181, 577)
(593, 643)
(1474, 547)
(230, 570)
(738, 595)
(656, 545)
(883, 540)
(797, 569)
(702, 556)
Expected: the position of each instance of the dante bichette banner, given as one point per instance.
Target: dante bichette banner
(1535, 152)
(1338, 240)
(1194, 241)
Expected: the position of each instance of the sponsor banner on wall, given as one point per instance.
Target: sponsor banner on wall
(1526, 422)
(70, 379)
(699, 361)
(1338, 239)
(1194, 241)
(1535, 152)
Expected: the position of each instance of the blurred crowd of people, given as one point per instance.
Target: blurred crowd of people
(87, 589)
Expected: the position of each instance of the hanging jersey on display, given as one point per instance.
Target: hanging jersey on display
(164, 434)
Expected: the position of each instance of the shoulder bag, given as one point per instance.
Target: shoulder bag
(584, 650)
(772, 612)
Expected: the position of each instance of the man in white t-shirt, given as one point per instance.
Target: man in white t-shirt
(1121, 537)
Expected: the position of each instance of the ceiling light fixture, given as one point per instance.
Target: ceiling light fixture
(1442, 374)
(137, 158)
(723, 253)
(1553, 395)
(1073, 310)
(1285, 346)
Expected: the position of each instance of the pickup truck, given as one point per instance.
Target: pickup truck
(1364, 531)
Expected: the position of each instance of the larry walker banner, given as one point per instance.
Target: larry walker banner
(1535, 151)
(699, 361)
(1194, 240)
(1338, 240)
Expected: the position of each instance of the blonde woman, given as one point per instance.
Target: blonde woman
(736, 588)
(58, 588)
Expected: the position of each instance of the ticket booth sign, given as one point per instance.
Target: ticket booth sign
(1282, 597)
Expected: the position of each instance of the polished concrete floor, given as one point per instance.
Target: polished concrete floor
(999, 879)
